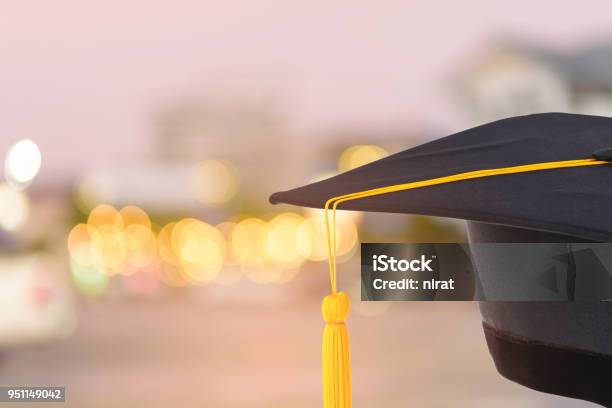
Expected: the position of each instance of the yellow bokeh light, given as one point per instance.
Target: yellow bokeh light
(137, 236)
(79, 245)
(311, 239)
(140, 241)
(191, 251)
(104, 214)
(347, 235)
(281, 241)
(202, 251)
(248, 242)
(114, 241)
(132, 215)
(164, 245)
(359, 155)
(140, 252)
(356, 216)
(215, 181)
(227, 229)
(109, 242)
(178, 236)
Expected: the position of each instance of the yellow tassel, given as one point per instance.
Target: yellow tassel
(336, 352)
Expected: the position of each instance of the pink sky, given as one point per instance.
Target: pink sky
(83, 79)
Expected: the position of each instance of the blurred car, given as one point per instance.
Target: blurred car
(35, 304)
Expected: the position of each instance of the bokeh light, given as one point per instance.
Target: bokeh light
(114, 242)
(22, 162)
(281, 242)
(359, 155)
(231, 273)
(90, 280)
(140, 242)
(164, 245)
(104, 214)
(178, 236)
(202, 250)
(141, 246)
(312, 239)
(14, 208)
(109, 244)
(215, 181)
(249, 242)
(227, 230)
(193, 252)
(132, 215)
(79, 245)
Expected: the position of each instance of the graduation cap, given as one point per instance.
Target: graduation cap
(542, 178)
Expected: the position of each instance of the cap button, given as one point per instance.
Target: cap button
(604, 154)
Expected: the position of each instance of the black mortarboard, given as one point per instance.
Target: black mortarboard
(574, 201)
(562, 348)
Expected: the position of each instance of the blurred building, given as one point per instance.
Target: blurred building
(212, 153)
(511, 79)
(218, 126)
(251, 132)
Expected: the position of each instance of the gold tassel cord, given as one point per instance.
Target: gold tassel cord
(337, 391)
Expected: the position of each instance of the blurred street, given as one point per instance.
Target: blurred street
(190, 352)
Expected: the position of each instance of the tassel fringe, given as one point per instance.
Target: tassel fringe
(336, 352)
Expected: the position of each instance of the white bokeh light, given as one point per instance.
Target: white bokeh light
(22, 162)
(14, 208)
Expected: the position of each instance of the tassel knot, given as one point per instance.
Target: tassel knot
(336, 308)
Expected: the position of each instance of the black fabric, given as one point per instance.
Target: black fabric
(574, 201)
(545, 367)
(479, 232)
(547, 346)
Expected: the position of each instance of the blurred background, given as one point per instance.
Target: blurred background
(140, 261)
